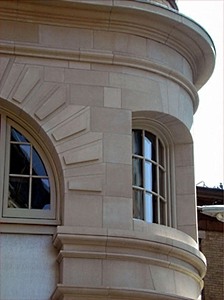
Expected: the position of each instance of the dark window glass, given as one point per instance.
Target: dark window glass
(18, 192)
(19, 159)
(162, 212)
(162, 182)
(137, 142)
(40, 193)
(155, 209)
(138, 207)
(161, 154)
(137, 172)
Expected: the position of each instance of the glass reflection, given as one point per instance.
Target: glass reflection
(148, 176)
(149, 146)
(16, 136)
(149, 208)
(38, 167)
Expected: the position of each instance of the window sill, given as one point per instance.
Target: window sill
(28, 226)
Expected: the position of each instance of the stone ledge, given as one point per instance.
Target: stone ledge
(63, 292)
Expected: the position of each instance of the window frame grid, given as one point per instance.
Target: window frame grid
(158, 167)
(25, 215)
(30, 176)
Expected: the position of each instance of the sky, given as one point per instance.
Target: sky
(208, 126)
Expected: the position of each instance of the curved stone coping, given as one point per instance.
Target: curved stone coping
(148, 20)
(135, 245)
(70, 293)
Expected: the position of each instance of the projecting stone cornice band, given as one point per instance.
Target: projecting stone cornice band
(133, 258)
(71, 293)
(135, 245)
(114, 260)
(103, 57)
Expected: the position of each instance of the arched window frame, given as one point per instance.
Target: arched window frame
(20, 215)
(162, 133)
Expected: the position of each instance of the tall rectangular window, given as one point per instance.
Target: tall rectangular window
(149, 177)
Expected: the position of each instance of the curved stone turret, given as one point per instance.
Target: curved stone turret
(77, 76)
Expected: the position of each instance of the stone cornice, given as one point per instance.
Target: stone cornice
(143, 19)
(67, 292)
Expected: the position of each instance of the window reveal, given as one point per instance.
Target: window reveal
(149, 177)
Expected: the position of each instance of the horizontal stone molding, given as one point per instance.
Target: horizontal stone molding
(105, 255)
(135, 246)
(63, 292)
(102, 57)
(127, 257)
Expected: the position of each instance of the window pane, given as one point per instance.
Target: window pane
(138, 205)
(150, 183)
(162, 182)
(137, 142)
(149, 146)
(18, 196)
(17, 136)
(161, 154)
(148, 176)
(40, 194)
(149, 208)
(137, 172)
(38, 166)
(162, 212)
(19, 159)
(155, 209)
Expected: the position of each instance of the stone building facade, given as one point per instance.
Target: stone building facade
(97, 185)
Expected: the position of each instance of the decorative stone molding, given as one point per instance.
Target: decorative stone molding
(133, 17)
(159, 253)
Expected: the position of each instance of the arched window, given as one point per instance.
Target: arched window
(151, 175)
(28, 186)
